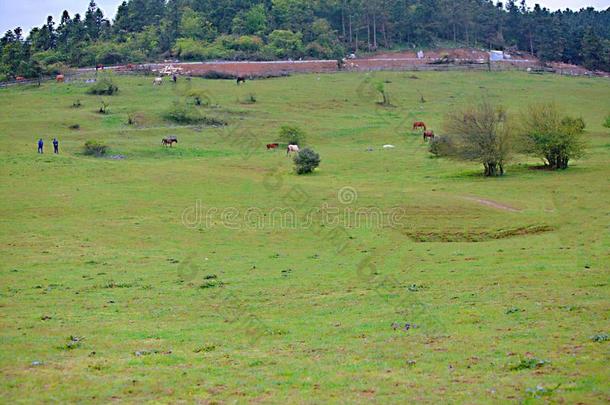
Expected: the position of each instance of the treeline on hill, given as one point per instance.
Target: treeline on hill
(145, 30)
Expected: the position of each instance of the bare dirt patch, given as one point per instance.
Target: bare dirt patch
(493, 204)
(475, 235)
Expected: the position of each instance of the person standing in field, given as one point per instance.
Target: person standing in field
(55, 145)
(40, 145)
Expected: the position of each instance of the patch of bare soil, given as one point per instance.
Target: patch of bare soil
(475, 235)
(493, 204)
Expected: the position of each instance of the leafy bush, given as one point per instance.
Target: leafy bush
(95, 148)
(292, 135)
(184, 113)
(103, 107)
(600, 337)
(607, 122)
(181, 113)
(441, 146)
(306, 161)
(103, 86)
(555, 139)
(529, 363)
(385, 98)
(481, 134)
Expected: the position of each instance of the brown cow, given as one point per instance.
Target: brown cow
(19, 78)
(419, 124)
(428, 134)
(59, 78)
(272, 145)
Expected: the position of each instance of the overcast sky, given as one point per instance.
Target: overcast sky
(30, 13)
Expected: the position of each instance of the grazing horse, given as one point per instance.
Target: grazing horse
(419, 124)
(170, 140)
(272, 145)
(240, 79)
(292, 148)
(158, 81)
(59, 78)
(428, 134)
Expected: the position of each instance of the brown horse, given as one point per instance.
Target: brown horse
(272, 145)
(170, 140)
(59, 78)
(419, 124)
(428, 134)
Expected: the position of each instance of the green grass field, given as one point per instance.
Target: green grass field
(507, 279)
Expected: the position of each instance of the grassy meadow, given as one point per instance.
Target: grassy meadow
(116, 284)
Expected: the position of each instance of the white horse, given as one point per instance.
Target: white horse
(292, 148)
(158, 81)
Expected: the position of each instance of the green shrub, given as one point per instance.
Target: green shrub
(555, 139)
(182, 112)
(292, 135)
(529, 363)
(103, 86)
(306, 161)
(607, 122)
(95, 148)
(441, 146)
(481, 133)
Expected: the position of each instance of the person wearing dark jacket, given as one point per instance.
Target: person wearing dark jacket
(55, 145)
(40, 145)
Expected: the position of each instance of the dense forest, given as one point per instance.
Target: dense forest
(144, 30)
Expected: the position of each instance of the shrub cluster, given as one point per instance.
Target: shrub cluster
(306, 161)
(292, 135)
(182, 112)
(104, 87)
(544, 133)
(485, 134)
(95, 148)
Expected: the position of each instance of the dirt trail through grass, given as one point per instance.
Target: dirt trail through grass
(493, 204)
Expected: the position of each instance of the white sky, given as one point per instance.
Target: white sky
(31, 13)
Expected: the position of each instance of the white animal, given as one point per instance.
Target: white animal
(292, 148)
(388, 146)
(158, 81)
